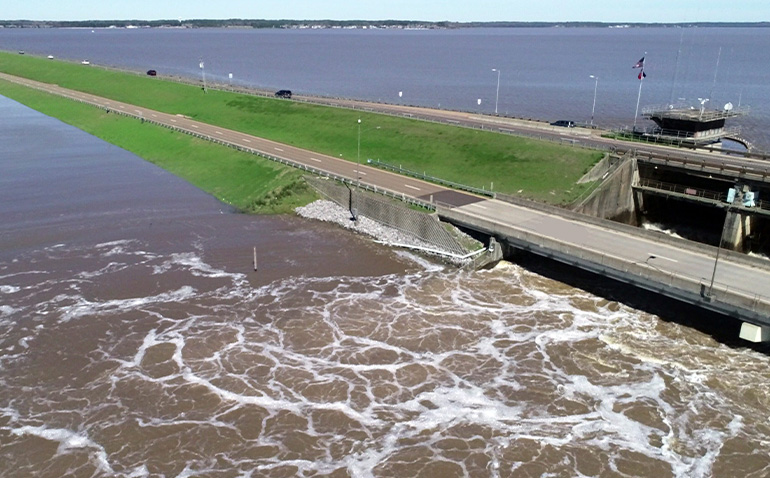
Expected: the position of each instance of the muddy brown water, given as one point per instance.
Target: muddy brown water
(137, 341)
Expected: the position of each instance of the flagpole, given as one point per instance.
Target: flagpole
(639, 96)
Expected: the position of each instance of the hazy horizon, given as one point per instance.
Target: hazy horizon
(552, 11)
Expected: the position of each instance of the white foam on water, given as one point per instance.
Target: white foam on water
(68, 441)
(110, 268)
(7, 310)
(408, 361)
(9, 289)
(650, 226)
(196, 265)
(115, 247)
(84, 307)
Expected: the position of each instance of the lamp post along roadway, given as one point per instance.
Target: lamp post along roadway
(593, 108)
(497, 95)
(358, 156)
(203, 74)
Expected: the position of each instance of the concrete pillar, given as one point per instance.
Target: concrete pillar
(754, 333)
(495, 250)
(737, 229)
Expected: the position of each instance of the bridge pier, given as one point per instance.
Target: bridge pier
(737, 229)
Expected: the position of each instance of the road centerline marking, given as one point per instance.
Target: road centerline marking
(412, 187)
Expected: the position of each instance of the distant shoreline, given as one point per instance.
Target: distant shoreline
(355, 24)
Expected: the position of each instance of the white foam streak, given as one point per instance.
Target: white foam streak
(648, 226)
(6, 310)
(85, 307)
(69, 440)
(196, 265)
(260, 401)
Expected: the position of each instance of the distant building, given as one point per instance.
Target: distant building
(693, 126)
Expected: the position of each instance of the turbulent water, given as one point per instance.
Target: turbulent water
(136, 340)
(426, 373)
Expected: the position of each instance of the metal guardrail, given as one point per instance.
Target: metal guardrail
(759, 170)
(688, 112)
(714, 196)
(684, 190)
(431, 179)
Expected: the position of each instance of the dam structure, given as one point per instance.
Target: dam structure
(713, 278)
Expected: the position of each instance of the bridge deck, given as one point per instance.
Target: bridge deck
(740, 290)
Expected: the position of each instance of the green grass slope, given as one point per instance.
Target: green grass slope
(529, 168)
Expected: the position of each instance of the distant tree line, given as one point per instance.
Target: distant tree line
(246, 23)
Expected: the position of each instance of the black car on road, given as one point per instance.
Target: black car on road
(283, 94)
(564, 123)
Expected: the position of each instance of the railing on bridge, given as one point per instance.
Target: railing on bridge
(715, 196)
(432, 179)
(684, 190)
(756, 169)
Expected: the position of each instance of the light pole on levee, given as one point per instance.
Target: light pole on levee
(203, 74)
(497, 95)
(593, 108)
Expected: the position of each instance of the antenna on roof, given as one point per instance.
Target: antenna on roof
(719, 55)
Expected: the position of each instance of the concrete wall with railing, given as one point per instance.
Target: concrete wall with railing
(423, 226)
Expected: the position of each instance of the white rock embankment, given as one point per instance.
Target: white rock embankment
(329, 211)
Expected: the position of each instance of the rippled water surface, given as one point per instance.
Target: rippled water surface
(137, 341)
(544, 72)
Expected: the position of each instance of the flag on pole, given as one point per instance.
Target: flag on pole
(640, 64)
(201, 65)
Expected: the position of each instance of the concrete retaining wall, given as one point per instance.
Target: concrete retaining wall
(614, 199)
(423, 226)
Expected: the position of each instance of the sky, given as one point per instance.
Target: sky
(612, 11)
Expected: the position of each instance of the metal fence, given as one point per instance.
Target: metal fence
(432, 179)
(715, 196)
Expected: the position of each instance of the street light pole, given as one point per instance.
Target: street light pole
(719, 248)
(497, 95)
(593, 108)
(203, 73)
(358, 156)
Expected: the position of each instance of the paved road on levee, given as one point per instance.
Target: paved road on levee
(636, 251)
